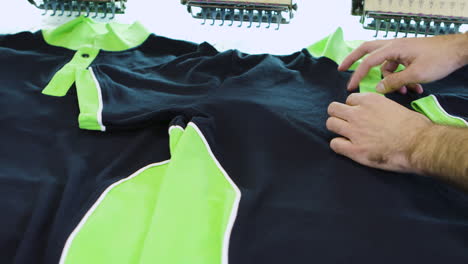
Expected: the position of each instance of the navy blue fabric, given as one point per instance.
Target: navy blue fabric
(454, 104)
(451, 92)
(453, 96)
(264, 118)
(51, 172)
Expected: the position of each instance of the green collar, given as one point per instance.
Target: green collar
(84, 32)
(336, 48)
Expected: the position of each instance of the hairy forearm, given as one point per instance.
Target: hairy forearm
(442, 151)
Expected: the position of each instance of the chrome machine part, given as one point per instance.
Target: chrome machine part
(417, 17)
(250, 11)
(93, 8)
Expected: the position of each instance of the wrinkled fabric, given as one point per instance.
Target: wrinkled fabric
(264, 117)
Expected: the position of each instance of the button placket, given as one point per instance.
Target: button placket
(66, 76)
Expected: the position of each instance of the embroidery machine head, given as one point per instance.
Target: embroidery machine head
(250, 11)
(418, 17)
(91, 8)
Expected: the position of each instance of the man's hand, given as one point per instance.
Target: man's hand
(380, 133)
(377, 132)
(426, 60)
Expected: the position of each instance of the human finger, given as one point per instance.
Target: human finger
(415, 87)
(403, 90)
(339, 110)
(375, 58)
(338, 126)
(355, 99)
(397, 80)
(388, 67)
(343, 147)
(359, 52)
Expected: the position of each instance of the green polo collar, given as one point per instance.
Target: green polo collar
(84, 32)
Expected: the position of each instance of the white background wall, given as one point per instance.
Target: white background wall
(314, 20)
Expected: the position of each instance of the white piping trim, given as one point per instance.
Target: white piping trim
(235, 206)
(443, 110)
(101, 104)
(96, 204)
(175, 127)
(232, 217)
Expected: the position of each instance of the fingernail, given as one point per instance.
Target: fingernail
(380, 88)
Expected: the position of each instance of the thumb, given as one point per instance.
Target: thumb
(395, 81)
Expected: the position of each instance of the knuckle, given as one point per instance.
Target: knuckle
(331, 108)
(363, 45)
(334, 145)
(365, 97)
(392, 44)
(365, 64)
(331, 123)
(367, 46)
(351, 98)
(338, 130)
(352, 133)
(372, 96)
(352, 114)
(359, 151)
(334, 126)
(328, 124)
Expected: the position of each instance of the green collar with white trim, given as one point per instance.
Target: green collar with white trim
(85, 32)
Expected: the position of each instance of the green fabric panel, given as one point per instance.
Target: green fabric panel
(83, 31)
(178, 212)
(115, 231)
(194, 208)
(65, 77)
(336, 48)
(175, 133)
(61, 82)
(88, 92)
(430, 107)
